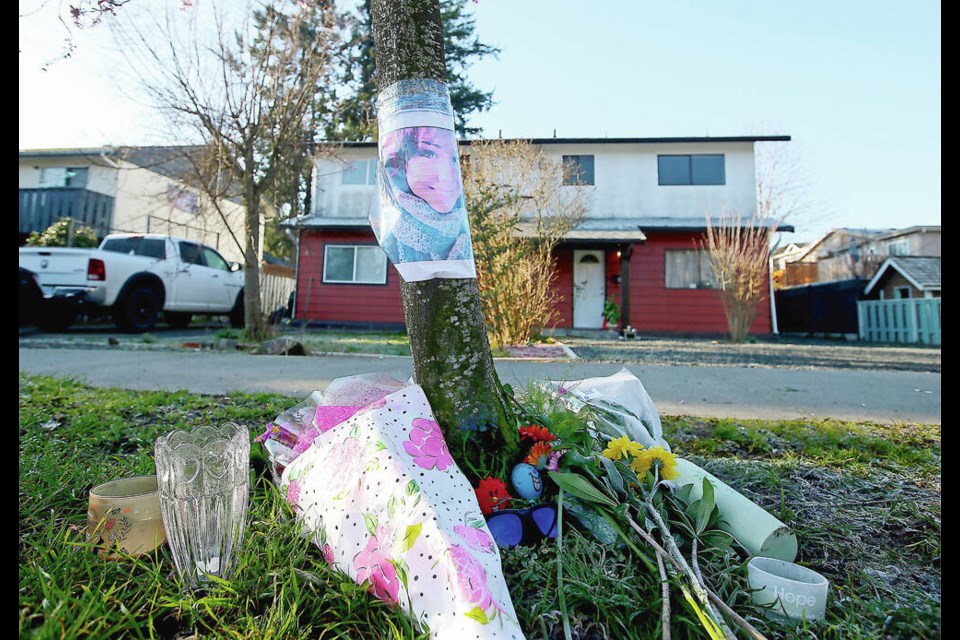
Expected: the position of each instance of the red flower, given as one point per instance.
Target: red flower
(537, 433)
(538, 451)
(492, 495)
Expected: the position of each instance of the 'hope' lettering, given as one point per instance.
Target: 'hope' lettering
(793, 598)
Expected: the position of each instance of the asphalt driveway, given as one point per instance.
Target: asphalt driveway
(718, 391)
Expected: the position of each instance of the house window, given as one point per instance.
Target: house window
(700, 169)
(902, 293)
(71, 177)
(354, 264)
(688, 269)
(578, 170)
(361, 172)
(898, 248)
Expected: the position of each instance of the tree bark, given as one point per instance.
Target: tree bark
(448, 337)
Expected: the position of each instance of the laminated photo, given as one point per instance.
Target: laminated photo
(422, 219)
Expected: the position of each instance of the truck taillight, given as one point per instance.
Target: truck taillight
(96, 270)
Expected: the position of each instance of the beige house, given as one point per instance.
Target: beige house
(845, 253)
(130, 189)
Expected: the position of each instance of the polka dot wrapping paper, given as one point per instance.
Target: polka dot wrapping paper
(382, 497)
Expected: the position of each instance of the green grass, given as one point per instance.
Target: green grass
(863, 498)
(384, 344)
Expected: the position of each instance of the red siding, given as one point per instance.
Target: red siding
(563, 284)
(343, 303)
(655, 308)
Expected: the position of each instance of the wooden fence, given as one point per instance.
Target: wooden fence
(908, 320)
(276, 284)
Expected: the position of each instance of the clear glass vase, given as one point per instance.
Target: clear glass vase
(203, 478)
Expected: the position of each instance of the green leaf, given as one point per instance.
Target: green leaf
(507, 389)
(392, 507)
(370, 520)
(412, 487)
(705, 508)
(683, 493)
(477, 614)
(580, 487)
(410, 537)
(613, 474)
(402, 572)
(379, 446)
(711, 627)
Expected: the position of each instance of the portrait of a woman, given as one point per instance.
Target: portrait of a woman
(423, 217)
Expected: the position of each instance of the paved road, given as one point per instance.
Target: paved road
(737, 392)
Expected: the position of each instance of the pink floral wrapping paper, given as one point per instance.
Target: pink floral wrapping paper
(382, 497)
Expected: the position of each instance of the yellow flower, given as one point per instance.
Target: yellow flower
(668, 462)
(641, 465)
(619, 448)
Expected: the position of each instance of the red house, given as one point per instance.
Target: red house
(639, 243)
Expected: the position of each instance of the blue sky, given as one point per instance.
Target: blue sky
(857, 85)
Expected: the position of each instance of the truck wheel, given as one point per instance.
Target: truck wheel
(237, 313)
(138, 310)
(177, 319)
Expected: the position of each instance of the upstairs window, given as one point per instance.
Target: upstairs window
(578, 170)
(354, 264)
(69, 177)
(702, 169)
(688, 269)
(360, 172)
(898, 248)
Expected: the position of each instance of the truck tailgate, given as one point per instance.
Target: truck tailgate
(57, 267)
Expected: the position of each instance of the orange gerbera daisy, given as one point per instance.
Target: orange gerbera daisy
(537, 433)
(538, 451)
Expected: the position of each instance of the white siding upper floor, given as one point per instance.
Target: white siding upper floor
(627, 179)
(56, 171)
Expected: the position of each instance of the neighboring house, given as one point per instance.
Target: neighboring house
(842, 254)
(902, 277)
(787, 253)
(639, 244)
(131, 189)
(787, 272)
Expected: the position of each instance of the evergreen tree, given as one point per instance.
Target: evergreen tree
(355, 116)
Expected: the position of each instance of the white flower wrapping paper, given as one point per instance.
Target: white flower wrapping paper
(381, 496)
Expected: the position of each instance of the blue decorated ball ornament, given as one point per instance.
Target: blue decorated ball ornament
(526, 481)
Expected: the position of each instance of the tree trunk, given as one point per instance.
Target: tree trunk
(254, 322)
(448, 336)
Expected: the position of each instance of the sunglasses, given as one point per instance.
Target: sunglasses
(512, 527)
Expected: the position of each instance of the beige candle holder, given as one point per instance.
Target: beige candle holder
(124, 515)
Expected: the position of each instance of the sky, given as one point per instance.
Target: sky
(856, 84)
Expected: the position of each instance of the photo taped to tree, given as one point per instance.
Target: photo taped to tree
(422, 221)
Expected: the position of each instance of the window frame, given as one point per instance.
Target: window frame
(569, 158)
(354, 246)
(709, 283)
(370, 179)
(899, 247)
(690, 175)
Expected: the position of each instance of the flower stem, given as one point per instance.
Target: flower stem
(567, 634)
(665, 596)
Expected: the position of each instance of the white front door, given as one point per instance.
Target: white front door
(588, 289)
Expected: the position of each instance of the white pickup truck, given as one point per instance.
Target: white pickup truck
(134, 278)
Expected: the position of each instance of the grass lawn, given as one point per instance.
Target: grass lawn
(386, 344)
(864, 500)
